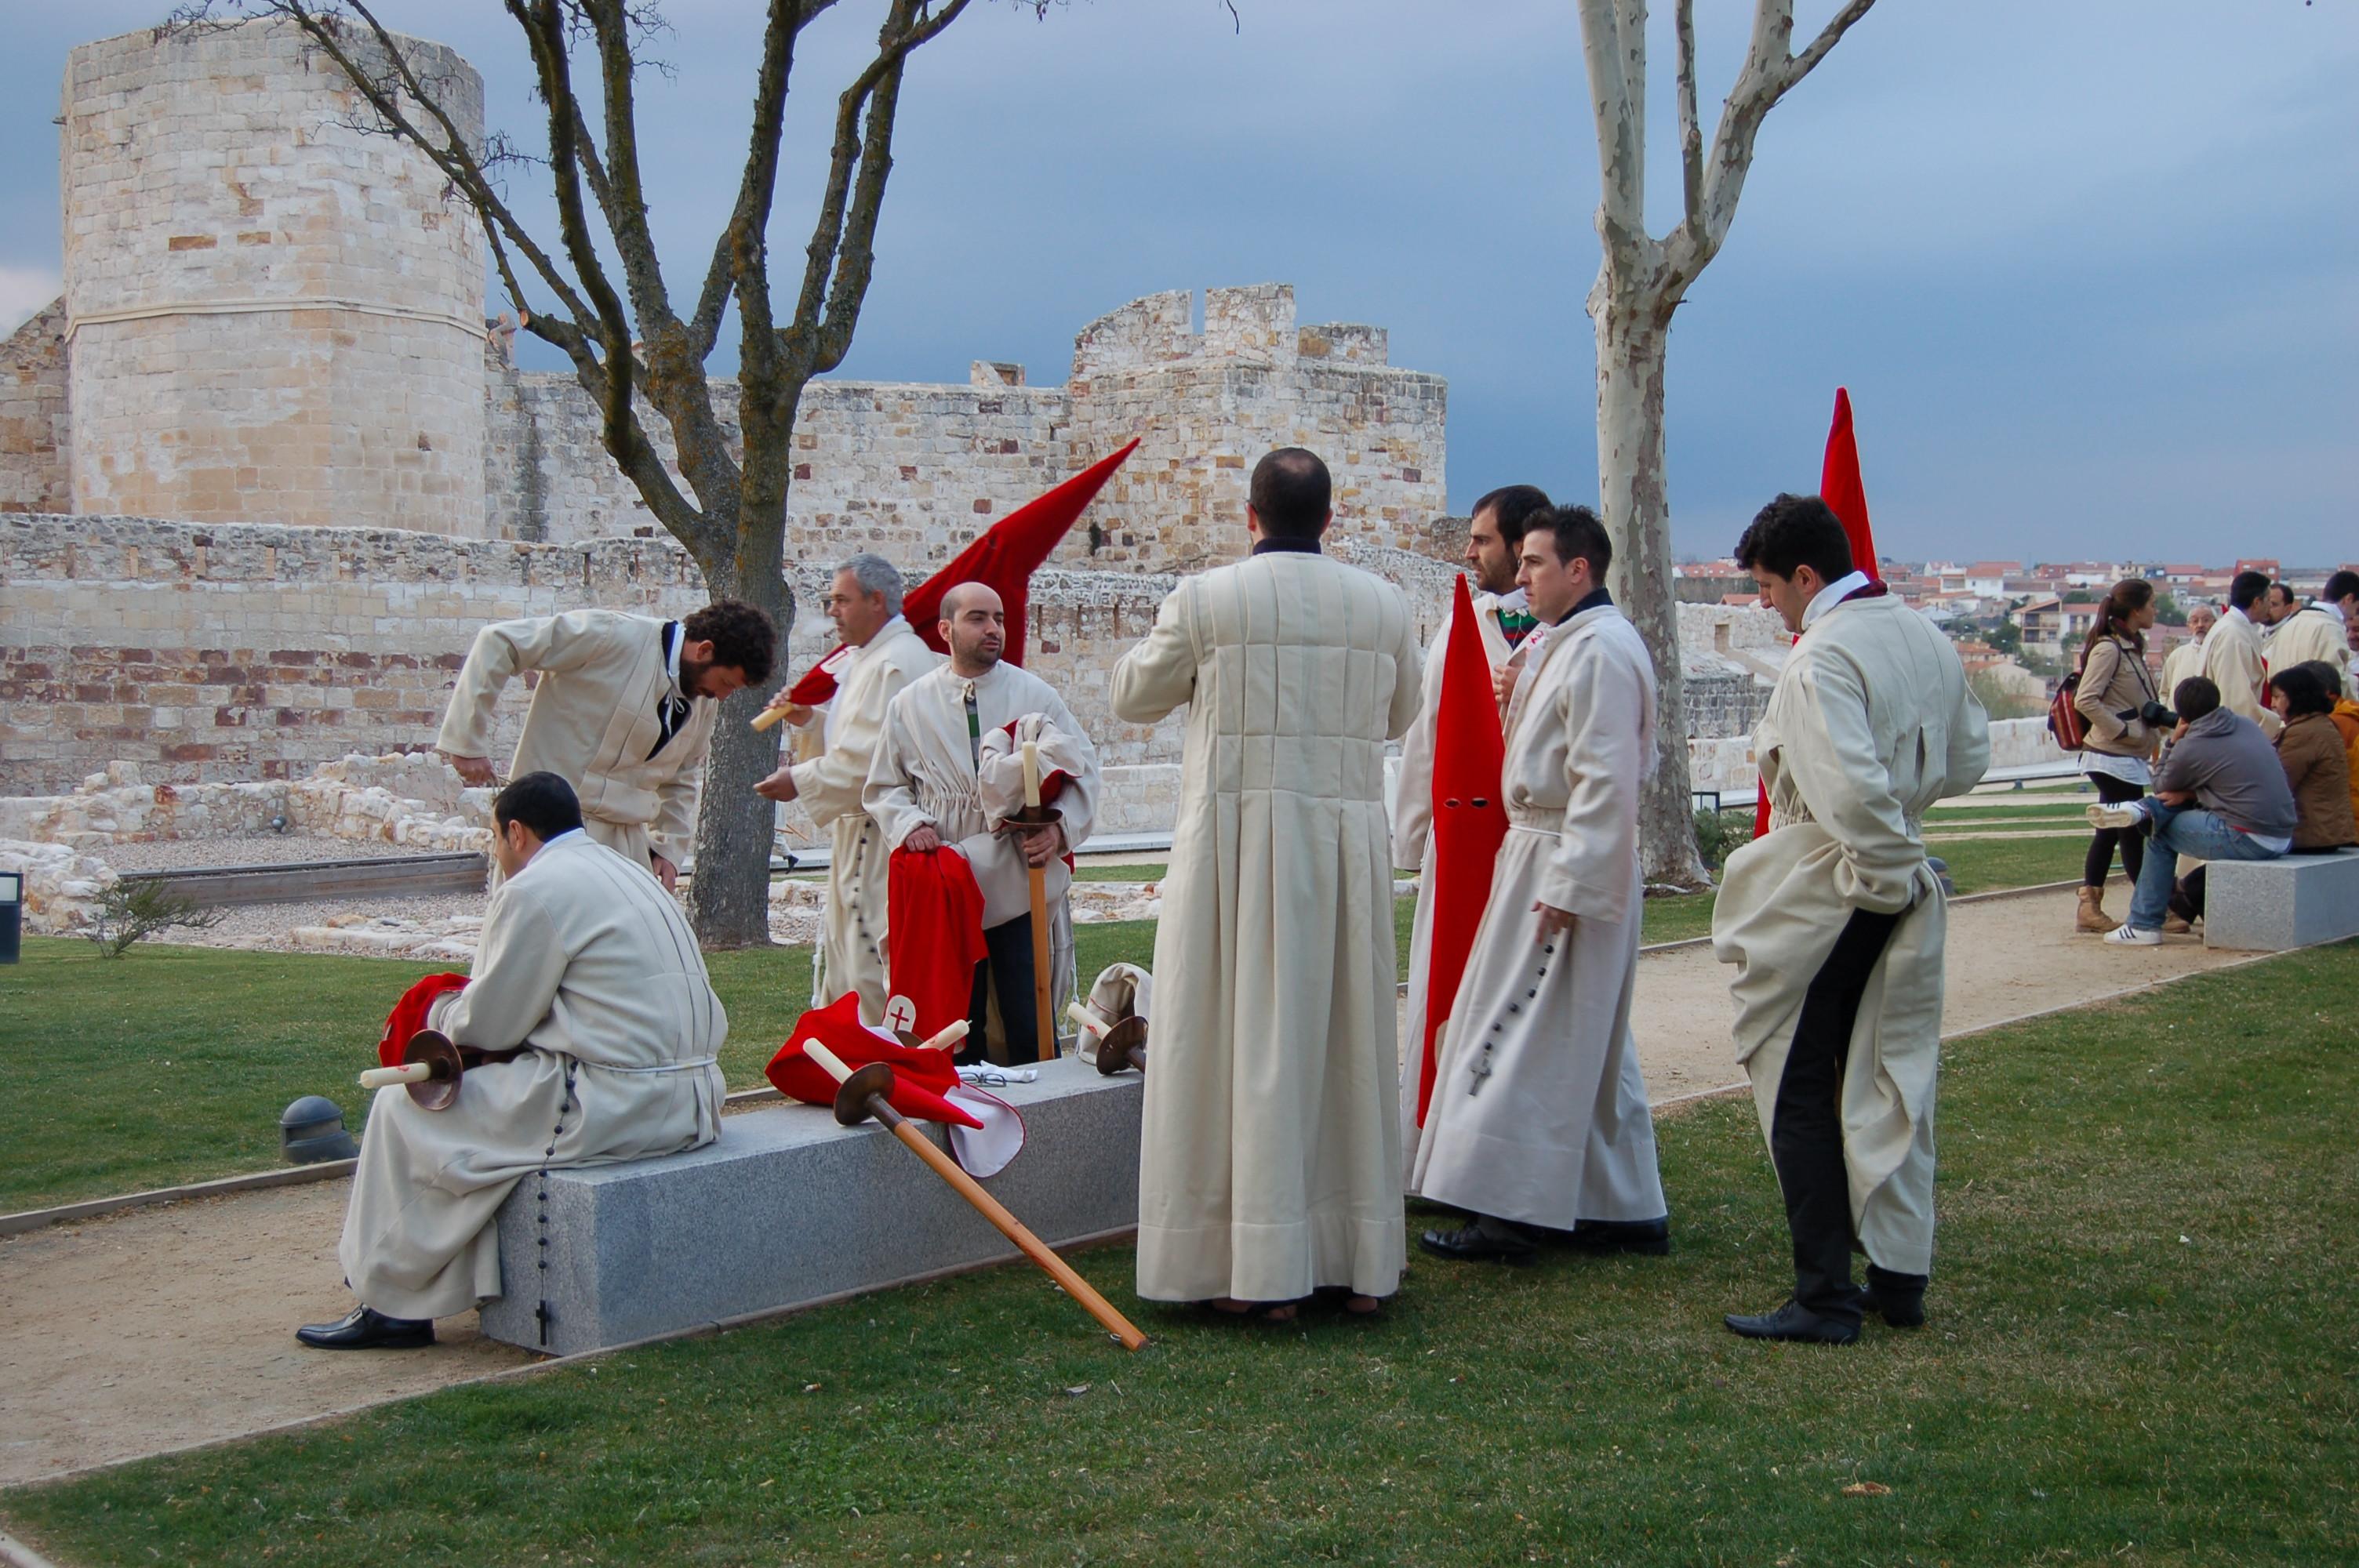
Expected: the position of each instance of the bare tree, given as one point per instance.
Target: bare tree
(637, 346)
(1640, 282)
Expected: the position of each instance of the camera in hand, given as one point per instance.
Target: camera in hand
(2155, 716)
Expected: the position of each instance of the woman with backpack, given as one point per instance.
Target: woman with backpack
(2119, 708)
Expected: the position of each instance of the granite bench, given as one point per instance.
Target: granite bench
(2271, 906)
(787, 1208)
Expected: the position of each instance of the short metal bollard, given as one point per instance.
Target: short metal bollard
(11, 914)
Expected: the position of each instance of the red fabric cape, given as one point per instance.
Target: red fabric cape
(1005, 556)
(1469, 820)
(408, 1015)
(920, 1076)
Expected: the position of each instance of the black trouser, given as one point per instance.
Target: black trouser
(2132, 840)
(1806, 1139)
(1006, 969)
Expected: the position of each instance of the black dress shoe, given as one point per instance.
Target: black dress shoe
(367, 1329)
(1796, 1322)
(1898, 1299)
(1651, 1237)
(1475, 1241)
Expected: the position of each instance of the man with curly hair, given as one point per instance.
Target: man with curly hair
(624, 713)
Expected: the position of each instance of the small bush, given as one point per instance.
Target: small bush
(1719, 833)
(130, 912)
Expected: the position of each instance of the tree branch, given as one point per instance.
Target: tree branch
(1690, 125)
(1615, 103)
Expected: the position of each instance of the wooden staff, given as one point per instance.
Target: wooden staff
(1040, 881)
(862, 1098)
(770, 717)
(1121, 1044)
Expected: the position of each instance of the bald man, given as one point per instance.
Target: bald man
(932, 790)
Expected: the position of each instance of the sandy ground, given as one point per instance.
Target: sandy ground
(165, 1327)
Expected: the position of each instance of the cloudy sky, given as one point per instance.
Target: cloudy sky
(2090, 267)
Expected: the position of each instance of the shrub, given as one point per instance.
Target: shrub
(129, 911)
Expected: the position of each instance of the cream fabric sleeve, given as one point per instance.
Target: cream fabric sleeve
(831, 784)
(1413, 780)
(1606, 743)
(1831, 756)
(514, 979)
(501, 652)
(1158, 674)
(887, 795)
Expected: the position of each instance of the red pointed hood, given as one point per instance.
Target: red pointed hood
(1005, 556)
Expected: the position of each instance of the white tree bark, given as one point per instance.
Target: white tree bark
(1640, 282)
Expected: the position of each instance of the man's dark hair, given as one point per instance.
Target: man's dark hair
(1576, 533)
(2340, 586)
(544, 803)
(2286, 592)
(1292, 493)
(2245, 589)
(2303, 691)
(1793, 532)
(742, 637)
(2328, 675)
(2194, 698)
(1511, 507)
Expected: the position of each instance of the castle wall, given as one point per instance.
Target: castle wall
(245, 651)
(35, 426)
(276, 313)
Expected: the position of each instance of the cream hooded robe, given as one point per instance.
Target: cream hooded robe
(851, 947)
(1269, 1157)
(1539, 1111)
(1871, 723)
(588, 961)
(593, 723)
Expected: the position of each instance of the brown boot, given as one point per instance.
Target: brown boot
(2093, 917)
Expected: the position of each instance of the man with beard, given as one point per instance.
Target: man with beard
(1540, 1119)
(623, 713)
(864, 602)
(926, 790)
(1492, 539)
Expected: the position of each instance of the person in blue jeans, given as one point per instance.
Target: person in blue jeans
(2220, 795)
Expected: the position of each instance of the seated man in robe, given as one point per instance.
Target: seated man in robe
(926, 791)
(591, 998)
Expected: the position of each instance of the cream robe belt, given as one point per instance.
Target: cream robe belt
(1534, 819)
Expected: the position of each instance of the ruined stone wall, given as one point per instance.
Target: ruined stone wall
(35, 436)
(914, 471)
(249, 651)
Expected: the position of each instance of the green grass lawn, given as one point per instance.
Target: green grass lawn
(173, 1064)
(2140, 1353)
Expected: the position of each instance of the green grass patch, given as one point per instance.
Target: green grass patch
(2139, 1352)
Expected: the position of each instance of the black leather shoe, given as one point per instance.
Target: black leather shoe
(366, 1329)
(1898, 1299)
(1473, 1243)
(1796, 1322)
(1651, 1237)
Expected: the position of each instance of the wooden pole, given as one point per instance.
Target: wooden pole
(990, 1207)
(1039, 879)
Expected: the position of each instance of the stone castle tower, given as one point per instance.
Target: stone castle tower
(276, 314)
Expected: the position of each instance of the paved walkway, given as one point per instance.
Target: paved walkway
(168, 1327)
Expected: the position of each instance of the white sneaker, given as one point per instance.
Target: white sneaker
(2128, 813)
(2128, 936)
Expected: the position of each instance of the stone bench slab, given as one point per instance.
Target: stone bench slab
(2273, 906)
(787, 1208)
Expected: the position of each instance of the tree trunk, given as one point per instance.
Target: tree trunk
(729, 899)
(1633, 330)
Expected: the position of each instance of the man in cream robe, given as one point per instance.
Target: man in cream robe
(590, 975)
(1835, 922)
(1269, 1157)
(624, 713)
(2187, 658)
(1504, 612)
(2233, 659)
(885, 655)
(1540, 1120)
(926, 791)
(2318, 633)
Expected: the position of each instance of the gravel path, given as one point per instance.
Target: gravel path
(265, 925)
(247, 849)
